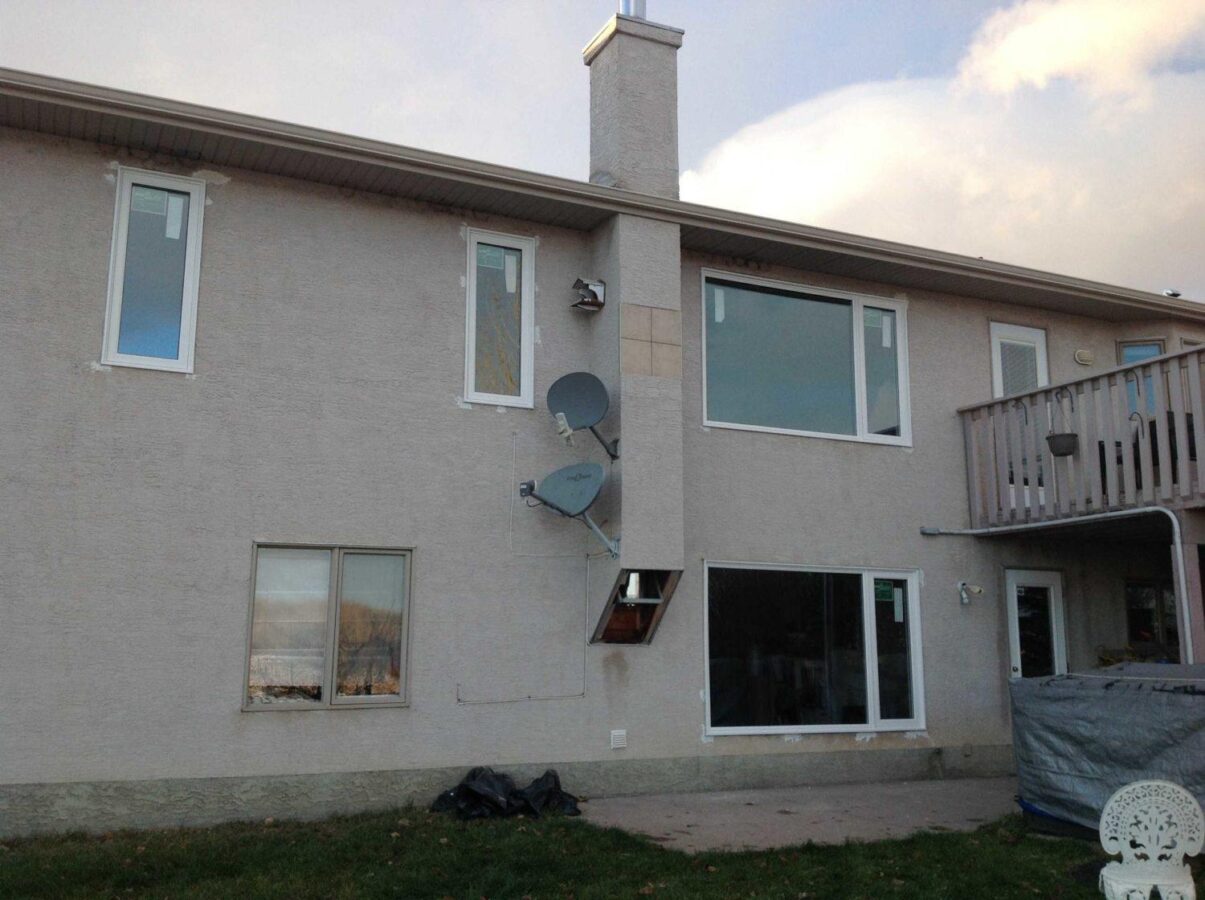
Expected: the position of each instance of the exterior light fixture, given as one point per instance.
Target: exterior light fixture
(591, 295)
(1171, 292)
(966, 590)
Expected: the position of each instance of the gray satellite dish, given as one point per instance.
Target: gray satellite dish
(579, 400)
(571, 491)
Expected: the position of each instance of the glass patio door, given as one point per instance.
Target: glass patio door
(1036, 632)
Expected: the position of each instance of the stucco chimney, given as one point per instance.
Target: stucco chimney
(634, 103)
(634, 145)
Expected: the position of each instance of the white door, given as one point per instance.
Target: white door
(1036, 636)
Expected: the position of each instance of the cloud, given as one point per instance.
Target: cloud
(1055, 177)
(1110, 46)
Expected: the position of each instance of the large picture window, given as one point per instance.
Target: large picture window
(499, 356)
(151, 314)
(328, 627)
(793, 649)
(794, 360)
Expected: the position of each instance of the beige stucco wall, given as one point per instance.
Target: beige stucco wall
(325, 408)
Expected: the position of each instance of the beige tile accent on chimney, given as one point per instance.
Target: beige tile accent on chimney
(650, 341)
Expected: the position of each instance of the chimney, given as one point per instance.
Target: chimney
(634, 146)
(634, 103)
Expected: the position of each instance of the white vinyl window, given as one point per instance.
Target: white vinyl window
(151, 313)
(1018, 359)
(500, 319)
(802, 649)
(791, 359)
(329, 627)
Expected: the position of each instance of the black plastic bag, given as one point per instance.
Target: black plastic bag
(484, 793)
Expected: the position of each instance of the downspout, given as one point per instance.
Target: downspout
(1178, 547)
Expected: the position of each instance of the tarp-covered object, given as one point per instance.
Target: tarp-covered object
(484, 793)
(1078, 738)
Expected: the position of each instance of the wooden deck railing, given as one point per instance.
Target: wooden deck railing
(1137, 432)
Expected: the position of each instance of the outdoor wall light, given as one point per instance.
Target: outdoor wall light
(591, 295)
(965, 590)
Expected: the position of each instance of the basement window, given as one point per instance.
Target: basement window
(791, 359)
(329, 627)
(802, 650)
(500, 316)
(635, 606)
(150, 318)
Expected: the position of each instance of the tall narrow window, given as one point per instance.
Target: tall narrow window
(797, 650)
(153, 274)
(793, 360)
(499, 357)
(328, 627)
(1018, 359)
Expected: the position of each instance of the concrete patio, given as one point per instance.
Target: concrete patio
(828, 814)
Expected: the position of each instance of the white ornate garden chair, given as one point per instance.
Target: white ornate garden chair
(1153, 825)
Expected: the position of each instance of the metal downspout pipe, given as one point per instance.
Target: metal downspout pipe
(1178, 546)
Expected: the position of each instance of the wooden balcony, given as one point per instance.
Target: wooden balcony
(1137, 430)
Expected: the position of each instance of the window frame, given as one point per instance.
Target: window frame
(858, 302)
(527, 304)
(875, 723)
(127, 178)
(333, 604)
(1005, 331)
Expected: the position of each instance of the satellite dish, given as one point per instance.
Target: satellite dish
(571, 491)
(581, 399)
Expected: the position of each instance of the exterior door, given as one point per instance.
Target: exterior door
(1036, 636)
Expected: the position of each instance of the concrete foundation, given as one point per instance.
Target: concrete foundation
(172, 802)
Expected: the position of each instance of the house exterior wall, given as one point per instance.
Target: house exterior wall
(325, 408)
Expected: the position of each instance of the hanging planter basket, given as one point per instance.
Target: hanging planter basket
(1063, 443)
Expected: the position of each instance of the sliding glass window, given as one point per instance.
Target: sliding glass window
(328, 627)
(793, 360)
(792, 649)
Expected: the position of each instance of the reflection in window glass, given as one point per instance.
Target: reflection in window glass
(1136, 353)
(499, 321)
(779, 359)
(288, 628)
(785, 648)
(372, 603)
(1151, 620)
(152, 293)
(1018, 367)
(891, 635)
(1035, 631)
(881, 344)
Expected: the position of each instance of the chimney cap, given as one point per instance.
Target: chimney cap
(630, 25)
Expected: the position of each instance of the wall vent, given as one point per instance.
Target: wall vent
(619, 739)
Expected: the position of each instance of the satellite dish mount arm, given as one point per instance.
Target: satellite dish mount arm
(612, 447)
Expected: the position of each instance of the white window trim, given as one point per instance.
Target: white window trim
(334, 590)
(1022, 334)
(195, 188)
(857, 302)
(875, 723)
(527, 246)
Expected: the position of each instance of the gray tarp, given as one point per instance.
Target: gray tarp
(1078, 738)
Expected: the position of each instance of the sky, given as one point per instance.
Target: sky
(1066, 135)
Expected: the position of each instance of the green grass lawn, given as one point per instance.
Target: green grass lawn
(411, 853)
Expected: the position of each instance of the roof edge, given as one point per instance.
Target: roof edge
(73, 94)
